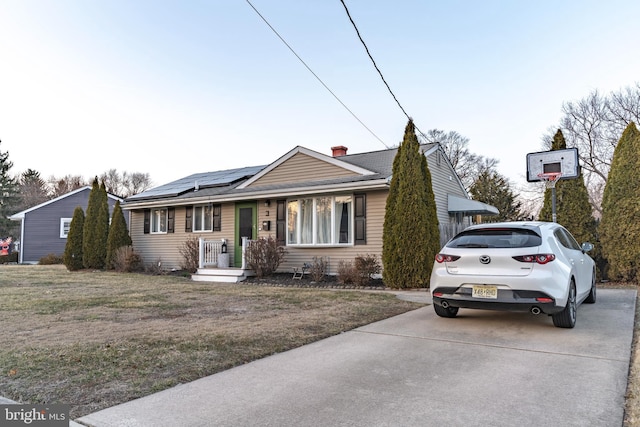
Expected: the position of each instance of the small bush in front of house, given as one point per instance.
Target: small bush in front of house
(265, 256)
(124, 259)
(347, 273)
(318, 269)
(155, 268)
(190, 251)
(50, 259)
(366, 266)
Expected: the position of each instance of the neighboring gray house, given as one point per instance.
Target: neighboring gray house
(45, 227)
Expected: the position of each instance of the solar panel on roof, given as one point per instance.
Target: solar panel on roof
(205, 179)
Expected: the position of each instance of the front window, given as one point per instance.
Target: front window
(323, 220)
(202, 218)
(159, 220)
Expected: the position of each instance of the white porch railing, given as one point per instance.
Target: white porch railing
(210, 250)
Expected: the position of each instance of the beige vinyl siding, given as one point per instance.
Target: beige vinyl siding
(296, 257)
(166, 247)
(444, 182)
(301, 167)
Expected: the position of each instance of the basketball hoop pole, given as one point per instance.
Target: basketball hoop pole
(550, 182)
(554, 218)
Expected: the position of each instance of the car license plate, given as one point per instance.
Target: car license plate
(490, 292)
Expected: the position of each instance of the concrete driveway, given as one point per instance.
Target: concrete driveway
(416, 369)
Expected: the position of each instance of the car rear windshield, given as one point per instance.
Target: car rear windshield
(496, 238)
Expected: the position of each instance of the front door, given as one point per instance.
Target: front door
(246, 221)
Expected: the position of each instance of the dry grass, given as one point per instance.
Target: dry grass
(96, 339)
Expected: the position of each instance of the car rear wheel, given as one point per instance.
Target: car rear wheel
(445, 312)
(591, 298)
(567, 317)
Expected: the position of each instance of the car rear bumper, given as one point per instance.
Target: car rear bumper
(508, 300)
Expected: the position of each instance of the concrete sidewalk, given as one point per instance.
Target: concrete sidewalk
(416, 369)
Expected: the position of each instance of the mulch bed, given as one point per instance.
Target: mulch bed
(331, 282)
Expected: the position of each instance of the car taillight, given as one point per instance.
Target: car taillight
(539, 258)
(446, 258)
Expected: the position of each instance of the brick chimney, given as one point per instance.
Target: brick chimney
(338, 151)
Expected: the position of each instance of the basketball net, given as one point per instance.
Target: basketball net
(550, 178)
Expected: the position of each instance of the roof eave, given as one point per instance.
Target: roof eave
(379, 184)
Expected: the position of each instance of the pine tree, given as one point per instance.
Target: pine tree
(620, 225)
(492, 188)
(411, 237)
(9, 197)
(73, 249)
(573, 209)
(33, 189)
(118, 234)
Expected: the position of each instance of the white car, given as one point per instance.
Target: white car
(515, 266)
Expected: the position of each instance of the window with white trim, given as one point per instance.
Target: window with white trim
(65, 225)
(159, 220)
(202, 218)
(206, 218)
(325, 220)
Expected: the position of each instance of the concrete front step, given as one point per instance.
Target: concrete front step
(225, 275)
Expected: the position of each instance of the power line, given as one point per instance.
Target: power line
(314, 74)
(376, 66)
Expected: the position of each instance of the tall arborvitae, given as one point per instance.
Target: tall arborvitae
(118, 234)
(620, 226)
(89, 230)
(96, 227)
(411, 236)
(573, 209)
(102, 228)
(73, 249)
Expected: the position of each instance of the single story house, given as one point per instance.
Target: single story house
(316, 205)
(44, 228)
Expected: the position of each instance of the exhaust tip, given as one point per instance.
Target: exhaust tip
(535, 310)
(444, 304)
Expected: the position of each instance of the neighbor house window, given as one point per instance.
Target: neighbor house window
(65, 224)
(326, 220)
(159, 220)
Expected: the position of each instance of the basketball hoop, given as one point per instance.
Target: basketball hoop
(550, 178)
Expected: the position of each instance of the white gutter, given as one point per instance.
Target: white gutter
(266, 194)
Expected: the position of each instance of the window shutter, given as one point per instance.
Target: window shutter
(188, 220)
(281, 222)
(360, 219)
(147, 221)
(217, 217)
(171, 219)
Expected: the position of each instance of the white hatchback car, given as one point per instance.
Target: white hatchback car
(515, 266)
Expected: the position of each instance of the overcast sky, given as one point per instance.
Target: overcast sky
(172, 88)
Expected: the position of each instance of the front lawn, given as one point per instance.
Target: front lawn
(95, 339)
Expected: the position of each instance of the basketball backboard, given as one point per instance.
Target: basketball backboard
(564, 161)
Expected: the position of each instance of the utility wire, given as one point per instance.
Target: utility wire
(314, 74)
(376, 66)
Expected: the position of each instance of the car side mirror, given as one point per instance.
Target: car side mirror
(586, 247)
